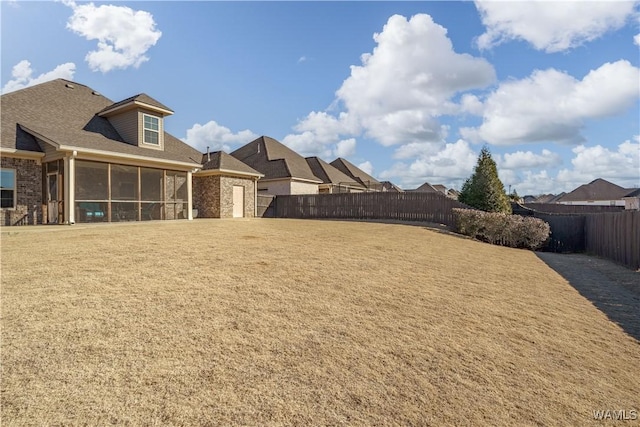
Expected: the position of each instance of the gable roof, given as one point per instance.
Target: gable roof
(328, 174)
(64, 114)
(355, 173)
(441, 188)
(219, 160)
(598, 189)
(142, 99)
(634, 193)
(426, 188)
(390, 186)
(275, 160)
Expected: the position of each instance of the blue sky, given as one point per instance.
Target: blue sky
(409, 91)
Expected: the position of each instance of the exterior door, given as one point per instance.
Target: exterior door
(52, 198)
(238, 201)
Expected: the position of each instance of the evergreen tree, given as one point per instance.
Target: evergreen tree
(484, 190)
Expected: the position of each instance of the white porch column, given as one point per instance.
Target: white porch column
(69, 188)
(255, 197)
(189, 197)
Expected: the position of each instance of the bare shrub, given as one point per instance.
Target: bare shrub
(501, 229)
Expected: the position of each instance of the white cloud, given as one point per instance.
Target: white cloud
(636, 39)
(22, 74)
(621, 165)
(551, 105)
(124, 35)
(345, 148)
(367, 167)
(400, 89)
(528, 159)
(548, 25)
(408, 80)
(216, 137)
(449, 164)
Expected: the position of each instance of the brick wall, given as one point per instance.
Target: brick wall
(29, 192)
(226, 196)
(213, 196)
(206, 196)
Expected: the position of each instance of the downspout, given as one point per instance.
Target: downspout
(255, 196)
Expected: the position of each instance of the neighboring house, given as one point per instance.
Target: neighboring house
(425, 188)
(598, 192)
(441, 188)
(548, 198)
(284, 170)
(71, 155)
(632, 200)
(225, 187)
(453, 194)
(357, 174)
(333, 181)
(389, 186)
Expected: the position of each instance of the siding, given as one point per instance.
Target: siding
(127, 126)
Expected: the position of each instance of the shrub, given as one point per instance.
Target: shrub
(501, 229)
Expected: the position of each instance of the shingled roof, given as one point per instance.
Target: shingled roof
(65, 113)
(426, 188)
(355, 173)
(141, 98)
(598, 189)
(274, 160)
(329, 174)
(219, 160)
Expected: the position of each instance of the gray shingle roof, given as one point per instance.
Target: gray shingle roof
(274, 160)
(219, 160)
(598, 189)
(356, 173)
(141, 97)
(329, 174)
(390, 186)
(426, 188)
(633, 193)
(68, 116)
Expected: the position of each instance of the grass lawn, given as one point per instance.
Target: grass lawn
(286, 322)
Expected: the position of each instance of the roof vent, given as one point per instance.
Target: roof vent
(95, 93)
(70, 86)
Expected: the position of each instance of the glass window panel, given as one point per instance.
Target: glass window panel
(151, 211)
(151, 137)
(124, 182)
(151, 185)
(92, 180)
(91, 211)
(124, 211)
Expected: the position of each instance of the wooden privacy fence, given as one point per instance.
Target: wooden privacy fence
(266, 206)
(615, 236)
(429, 207)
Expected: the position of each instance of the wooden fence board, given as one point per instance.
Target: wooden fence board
(429, 207)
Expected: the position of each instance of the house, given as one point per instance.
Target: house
(547, 198)
(425, 188)
(632, 200)
(333, 181)
(356, 174)
(453, 194)
(441, 188)
(389, 186)
(598, 192)
(69, 154)
(225, 187)
(284, 170)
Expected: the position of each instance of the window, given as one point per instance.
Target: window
(7, 188)
(151, 130)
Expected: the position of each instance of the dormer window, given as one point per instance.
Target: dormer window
(151, 130)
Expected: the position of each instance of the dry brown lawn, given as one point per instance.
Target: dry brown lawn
(285, 322)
